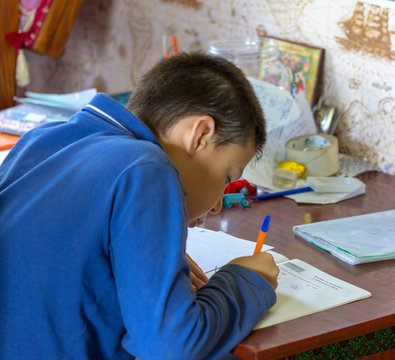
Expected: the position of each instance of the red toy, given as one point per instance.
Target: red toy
(238, 185)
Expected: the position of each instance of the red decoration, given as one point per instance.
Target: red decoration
(238, 185)
(27, 38)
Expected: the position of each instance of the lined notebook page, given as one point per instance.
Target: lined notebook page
(213, 249)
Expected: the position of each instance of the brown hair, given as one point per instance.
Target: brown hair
(195, 84)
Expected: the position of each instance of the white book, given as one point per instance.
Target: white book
(302, 288)
(355, 239)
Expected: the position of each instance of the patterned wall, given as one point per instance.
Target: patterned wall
(113, 42)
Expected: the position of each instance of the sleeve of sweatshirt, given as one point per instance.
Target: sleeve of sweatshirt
(163, 318)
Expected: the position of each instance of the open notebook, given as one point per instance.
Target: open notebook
(302, 288)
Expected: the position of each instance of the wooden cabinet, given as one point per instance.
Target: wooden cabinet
(55, 31)
(9, 23)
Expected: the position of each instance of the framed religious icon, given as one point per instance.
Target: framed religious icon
(295, 67)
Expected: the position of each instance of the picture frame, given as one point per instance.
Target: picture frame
(295, 67)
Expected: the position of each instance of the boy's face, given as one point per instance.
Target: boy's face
(205, 168)
(213, 169)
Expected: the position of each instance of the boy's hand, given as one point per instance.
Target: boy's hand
(198, 277)
(263, 264)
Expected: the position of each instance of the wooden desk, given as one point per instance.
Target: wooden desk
(337, 324)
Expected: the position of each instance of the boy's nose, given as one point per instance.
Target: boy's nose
(217, 208)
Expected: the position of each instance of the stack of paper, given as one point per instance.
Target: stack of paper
(355, 239)
(22, 118)
(74, 101)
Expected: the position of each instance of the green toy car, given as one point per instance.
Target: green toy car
(237, 198)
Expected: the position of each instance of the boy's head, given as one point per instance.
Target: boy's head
(208, 120)
(193, 84)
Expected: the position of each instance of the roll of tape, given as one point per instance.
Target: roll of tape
(318, 152)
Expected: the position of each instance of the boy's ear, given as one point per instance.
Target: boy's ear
(201, 133)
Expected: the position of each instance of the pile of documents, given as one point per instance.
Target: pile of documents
(356, 239)
(38, 109)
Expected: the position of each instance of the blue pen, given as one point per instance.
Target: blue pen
(282, 193)
(262, 234)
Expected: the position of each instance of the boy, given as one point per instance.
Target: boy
(94, 215)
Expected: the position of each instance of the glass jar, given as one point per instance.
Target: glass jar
(244, 53)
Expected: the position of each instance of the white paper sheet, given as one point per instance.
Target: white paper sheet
(312, 197)
(304, 290)
(213, 249)
(3, 155)
(286, 118)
